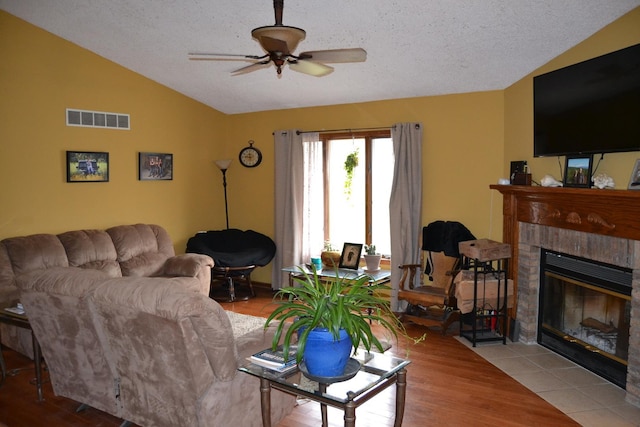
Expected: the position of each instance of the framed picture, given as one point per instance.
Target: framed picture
(577, 171)
(350, 257)
(634, 181)
(155, 166)
(87, 166)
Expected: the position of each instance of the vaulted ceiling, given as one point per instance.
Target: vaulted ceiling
(414, 47)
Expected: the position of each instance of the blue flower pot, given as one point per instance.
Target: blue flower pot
(325, 357)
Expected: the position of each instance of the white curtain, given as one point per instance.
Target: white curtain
(298, 201)
(405, 203)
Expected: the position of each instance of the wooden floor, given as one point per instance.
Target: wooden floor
(448, 385)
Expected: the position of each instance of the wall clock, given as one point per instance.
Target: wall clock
(250, 156)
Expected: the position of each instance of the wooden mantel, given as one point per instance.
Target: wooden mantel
(610, 212)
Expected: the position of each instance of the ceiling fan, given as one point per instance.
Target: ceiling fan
(279, 42)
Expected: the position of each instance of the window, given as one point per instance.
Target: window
(356, 205)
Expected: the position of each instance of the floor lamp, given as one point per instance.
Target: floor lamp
(223, 165)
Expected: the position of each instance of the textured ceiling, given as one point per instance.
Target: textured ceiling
(415, 47)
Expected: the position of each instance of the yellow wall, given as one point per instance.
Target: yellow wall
(519, 105)
(40, 76)
(469, 140)
(462, 155)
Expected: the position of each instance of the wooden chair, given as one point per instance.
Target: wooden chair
(431, 303)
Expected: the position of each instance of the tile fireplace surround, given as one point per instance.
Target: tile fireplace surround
(601, 225)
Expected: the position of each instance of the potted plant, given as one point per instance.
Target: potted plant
(330, 317)
(350, 163)
(372, 258)
(330, 257)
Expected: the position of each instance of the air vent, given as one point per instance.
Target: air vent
(97, 119)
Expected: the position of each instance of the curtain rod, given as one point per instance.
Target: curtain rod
(298, 132)
(348, 130)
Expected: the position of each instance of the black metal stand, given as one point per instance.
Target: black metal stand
(224, 184)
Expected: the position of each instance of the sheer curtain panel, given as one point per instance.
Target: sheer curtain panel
(299, 214)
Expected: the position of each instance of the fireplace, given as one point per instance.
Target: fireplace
(585, 313)
(597, 227)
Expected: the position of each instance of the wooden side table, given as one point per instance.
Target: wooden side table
(489, 321)
(22, 321)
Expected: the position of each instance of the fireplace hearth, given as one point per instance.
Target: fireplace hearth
(599, 227)
(585, 313)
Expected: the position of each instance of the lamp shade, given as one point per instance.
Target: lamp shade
(223, 165)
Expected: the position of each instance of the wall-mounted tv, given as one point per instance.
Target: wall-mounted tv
(590, 107)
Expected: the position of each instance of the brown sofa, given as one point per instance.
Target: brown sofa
(126, 250)
(155, 351)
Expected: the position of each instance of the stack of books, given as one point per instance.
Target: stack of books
(18, 309)
(274, 360)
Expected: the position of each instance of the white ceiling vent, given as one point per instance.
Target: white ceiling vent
(97, 119)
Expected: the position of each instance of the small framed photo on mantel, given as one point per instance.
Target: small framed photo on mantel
(634, 181)
(577, 171)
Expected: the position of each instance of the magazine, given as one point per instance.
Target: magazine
(274, 360)
(18, 310)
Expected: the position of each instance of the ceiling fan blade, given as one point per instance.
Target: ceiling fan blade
(206, 56)
(250, 68)
(336, 55)
(309, 67)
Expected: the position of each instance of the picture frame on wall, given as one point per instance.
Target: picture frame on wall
(155, 166)
(577, 171)
(350, 257)
(87, 166)
(634, 181)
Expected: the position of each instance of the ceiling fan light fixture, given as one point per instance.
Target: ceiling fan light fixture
(290, 35)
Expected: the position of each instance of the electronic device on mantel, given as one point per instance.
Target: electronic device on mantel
(589, 108)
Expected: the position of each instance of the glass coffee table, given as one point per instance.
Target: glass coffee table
(375, 373)
(378, 277)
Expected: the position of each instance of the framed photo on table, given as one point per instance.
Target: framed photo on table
(577, 171)
(634, 181)
(350, 257)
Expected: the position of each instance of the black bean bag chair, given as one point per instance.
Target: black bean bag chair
(236, 253)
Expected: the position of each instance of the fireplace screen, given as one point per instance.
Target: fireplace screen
(585, 312)
(587, 315)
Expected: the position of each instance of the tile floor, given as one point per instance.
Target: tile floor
(587, 398)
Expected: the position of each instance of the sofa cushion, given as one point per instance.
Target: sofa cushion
(142, 249)
(92, 249)
(35, 252)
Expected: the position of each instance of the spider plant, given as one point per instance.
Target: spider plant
(332, 303)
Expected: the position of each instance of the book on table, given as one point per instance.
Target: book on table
(275, 360)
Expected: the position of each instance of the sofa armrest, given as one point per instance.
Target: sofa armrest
(191, 265)
(187, 265)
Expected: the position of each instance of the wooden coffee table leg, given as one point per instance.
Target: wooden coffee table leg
(401, 391)
(265, 401)
(350, 415)
(322, 388)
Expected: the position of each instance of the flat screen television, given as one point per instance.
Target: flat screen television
(590, 107)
